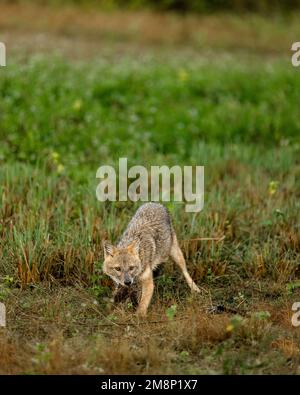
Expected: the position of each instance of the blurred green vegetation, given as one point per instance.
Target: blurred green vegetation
(106, 110)
(263, 6)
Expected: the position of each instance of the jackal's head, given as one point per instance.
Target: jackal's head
(122, 264)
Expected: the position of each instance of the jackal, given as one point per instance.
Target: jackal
(148, 241)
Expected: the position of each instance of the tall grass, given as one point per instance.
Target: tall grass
(52, 226)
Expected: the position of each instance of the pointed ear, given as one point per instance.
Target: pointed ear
(108, 249)
(133, 248)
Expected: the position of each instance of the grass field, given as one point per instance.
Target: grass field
(62, 116)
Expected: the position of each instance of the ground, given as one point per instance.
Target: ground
(84, 90)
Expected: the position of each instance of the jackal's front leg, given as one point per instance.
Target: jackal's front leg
(147, 291)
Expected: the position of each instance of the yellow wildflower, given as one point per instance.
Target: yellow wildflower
(273, 186)
(183, 75)
(77, 105)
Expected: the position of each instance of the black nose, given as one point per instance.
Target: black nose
(127, 282)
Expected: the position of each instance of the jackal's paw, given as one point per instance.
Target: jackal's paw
(195, 288)
(141, 312)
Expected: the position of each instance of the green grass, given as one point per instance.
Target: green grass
(59, 122)
(91, 113)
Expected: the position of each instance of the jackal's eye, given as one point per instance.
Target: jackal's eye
(117, 268)
(131, 267)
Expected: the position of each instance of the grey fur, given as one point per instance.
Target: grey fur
(148, 240)
(151, 228)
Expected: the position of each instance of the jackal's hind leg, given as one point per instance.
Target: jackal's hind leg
(177, 256)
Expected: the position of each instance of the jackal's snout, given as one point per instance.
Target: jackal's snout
(128, 280)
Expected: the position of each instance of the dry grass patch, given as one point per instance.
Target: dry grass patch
(31, 27)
